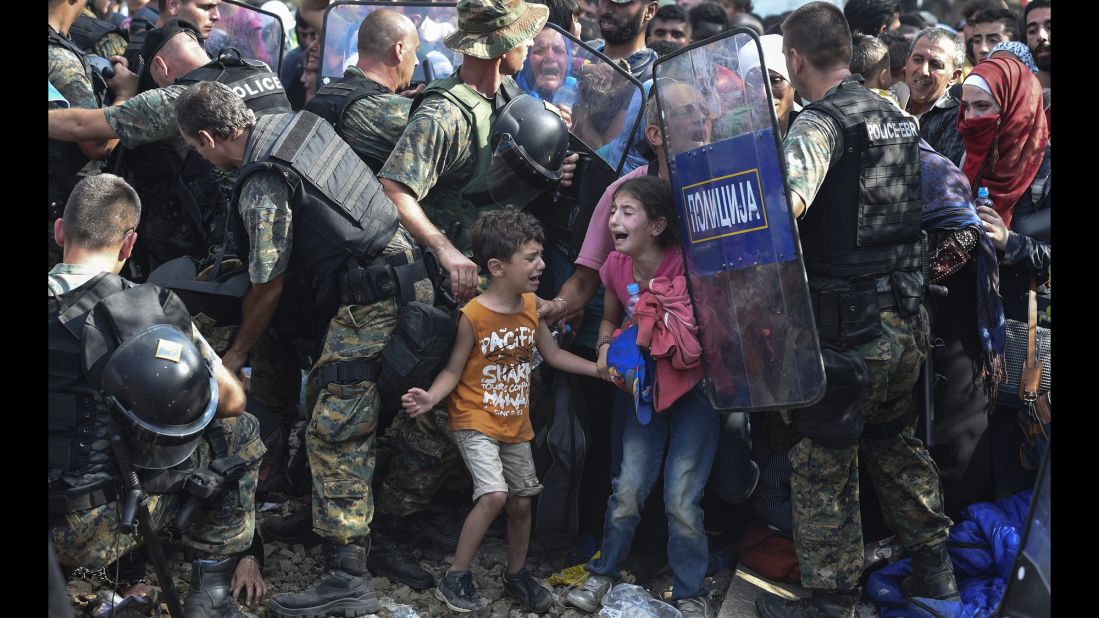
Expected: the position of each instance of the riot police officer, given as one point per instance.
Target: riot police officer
(325, 246)
(125, 361)
(363, 105)
(854, 176)
(437, 173)
(185, 198)
(71, 75)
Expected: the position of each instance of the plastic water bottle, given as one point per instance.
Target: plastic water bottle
(634, 291)
(983, 199)
(566, 94)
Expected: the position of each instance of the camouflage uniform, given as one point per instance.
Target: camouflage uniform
(110, 44)
(71, 79)
(824, 482)
(434, 158)
(67, 73)
(423, 460)
(148, 117)
(342, 426)
(221, 526)
(372, 125)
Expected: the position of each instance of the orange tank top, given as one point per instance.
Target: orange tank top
(493, 396)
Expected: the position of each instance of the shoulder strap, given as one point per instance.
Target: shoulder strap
(1030, 378)
(56, 39)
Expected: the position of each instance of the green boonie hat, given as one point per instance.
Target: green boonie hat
(490, 28)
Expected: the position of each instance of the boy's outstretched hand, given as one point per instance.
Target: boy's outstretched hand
(416, 402)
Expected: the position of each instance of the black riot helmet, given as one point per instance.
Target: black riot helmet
(163, 393)
(529, 142)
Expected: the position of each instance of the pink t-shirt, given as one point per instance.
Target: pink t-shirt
(617, 271)
(598, 242)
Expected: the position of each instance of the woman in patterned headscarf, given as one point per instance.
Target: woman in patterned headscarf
(1006, 134)
(1007, 149)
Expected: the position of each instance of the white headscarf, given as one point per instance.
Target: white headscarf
(772, 55)
(978, 81)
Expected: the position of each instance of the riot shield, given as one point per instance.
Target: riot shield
(257, 34)
(599, 99)
(434, 21)
(602, 106)
(1029, 590)
(745, 272)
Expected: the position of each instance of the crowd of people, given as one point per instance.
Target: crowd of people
(406, 263)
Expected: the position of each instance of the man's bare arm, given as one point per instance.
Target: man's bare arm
(231, 397)
(463, 272)
(575, 294)
(79, 125)
(257, 309)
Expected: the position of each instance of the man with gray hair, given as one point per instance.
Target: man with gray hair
(934, 65)
(325, 248)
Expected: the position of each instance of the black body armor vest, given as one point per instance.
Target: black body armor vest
(341, 214)
(332, 100)
(867, 215)
(78, 423)
(86, 32)
(186, 199)
(251, 79)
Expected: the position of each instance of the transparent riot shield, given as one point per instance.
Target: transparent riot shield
(601, 104)
(434, 21)
(257, 34)
(745, 272)
(1031, 586)
(599, 99)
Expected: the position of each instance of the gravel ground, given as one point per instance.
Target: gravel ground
(292, 568)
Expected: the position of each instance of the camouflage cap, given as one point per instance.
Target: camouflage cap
(490, 28)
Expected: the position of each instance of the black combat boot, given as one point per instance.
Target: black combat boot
(932, 575)
(389, 561)
(293, 529)
(209, 595)
(822, 604)
(344, 590)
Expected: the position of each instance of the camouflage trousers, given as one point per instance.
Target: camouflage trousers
(825, 481)
(222, 526)
(423, 458)
(340, 436)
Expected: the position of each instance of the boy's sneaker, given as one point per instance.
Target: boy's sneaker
(696, 607)
(533, 595)
(590, 596)
(456, 589)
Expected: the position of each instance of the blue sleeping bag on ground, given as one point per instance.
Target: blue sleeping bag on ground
(982, 547)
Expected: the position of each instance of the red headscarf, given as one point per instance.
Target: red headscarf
(1004, 152)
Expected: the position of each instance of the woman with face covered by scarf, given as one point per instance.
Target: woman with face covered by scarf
(1006, 134)
(1007, 149)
